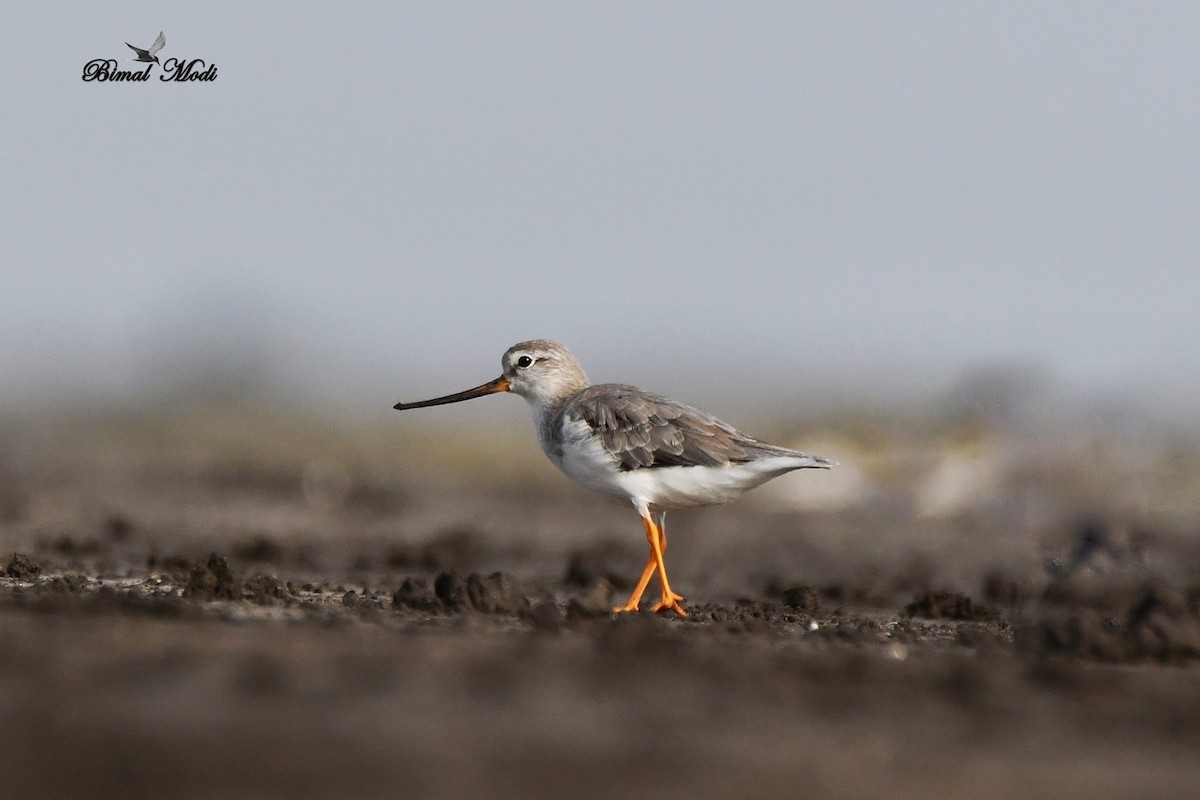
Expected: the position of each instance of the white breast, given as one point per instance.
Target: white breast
(580, 454)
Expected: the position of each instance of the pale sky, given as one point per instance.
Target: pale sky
(376, 199)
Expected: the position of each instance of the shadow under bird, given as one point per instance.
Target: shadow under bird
(149, 55)
(619, 440)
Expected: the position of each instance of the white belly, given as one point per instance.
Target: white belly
(686, 487)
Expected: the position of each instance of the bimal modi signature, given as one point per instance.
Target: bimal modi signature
(174, 69)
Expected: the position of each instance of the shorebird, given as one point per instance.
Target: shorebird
(657, 453)
(149, 55)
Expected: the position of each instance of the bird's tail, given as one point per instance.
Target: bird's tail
(802, 460)
(815, 462)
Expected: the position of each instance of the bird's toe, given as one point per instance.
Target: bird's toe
(670, 604)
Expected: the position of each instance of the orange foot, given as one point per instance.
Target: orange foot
(670, 603)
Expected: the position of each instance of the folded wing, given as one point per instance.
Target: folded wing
(643, 431)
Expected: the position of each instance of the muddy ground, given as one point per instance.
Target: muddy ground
(240, 629)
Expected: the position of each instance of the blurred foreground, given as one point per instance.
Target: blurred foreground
(241, 601)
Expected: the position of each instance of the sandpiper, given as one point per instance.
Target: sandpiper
(619, 440)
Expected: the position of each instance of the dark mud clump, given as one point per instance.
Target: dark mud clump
(595, 600)
(415, 594)
(801, 598)
(496, 593)
(949, 605)
(451, 590)
(23, 568)
(267, 590)
(1152, 622)
(817, 599)
(212, 580)
(69, 584)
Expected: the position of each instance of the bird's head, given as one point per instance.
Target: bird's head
(542, 371)
(539, 370)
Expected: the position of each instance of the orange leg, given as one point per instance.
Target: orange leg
(658, 544)
(638, 590)
(656, 535)
(662, 543)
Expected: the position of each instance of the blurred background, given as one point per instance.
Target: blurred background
(952, 247)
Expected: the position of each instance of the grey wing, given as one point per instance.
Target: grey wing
(137, 50)
(159, 44)
(644, 431)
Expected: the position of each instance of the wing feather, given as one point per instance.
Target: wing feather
(159, 44)
(643, 430)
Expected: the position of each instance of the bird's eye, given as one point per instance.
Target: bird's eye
(524, 361)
